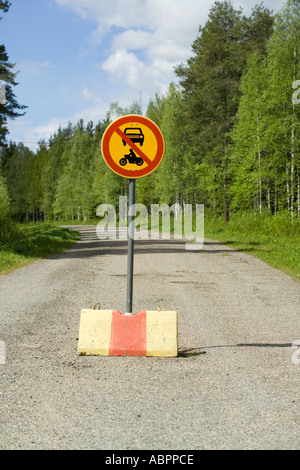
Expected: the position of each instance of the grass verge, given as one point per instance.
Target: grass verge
(27, 243)
(273, 239)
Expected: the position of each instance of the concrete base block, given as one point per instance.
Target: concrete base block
(110, 333)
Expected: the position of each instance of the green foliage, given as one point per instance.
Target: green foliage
(7, 226)
(265, 162)
(4, 200)
(248, 163)
(271, 238)
(4, 5)
(169, 184)
(33, 241)
(211, 92)
(156, 109)
(73, 192)
(39, 240)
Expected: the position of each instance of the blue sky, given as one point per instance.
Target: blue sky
(75, 57)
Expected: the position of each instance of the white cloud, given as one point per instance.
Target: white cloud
(122, 13)
(123, 65)
(148, 37)
(132, 40)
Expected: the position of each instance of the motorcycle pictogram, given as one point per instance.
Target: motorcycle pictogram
(131, 158)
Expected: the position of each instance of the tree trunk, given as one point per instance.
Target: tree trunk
(259, 167)
(298, 194)
(292, 163)
(275, 194)
(293, 137)
(225, 204)
(287, 183)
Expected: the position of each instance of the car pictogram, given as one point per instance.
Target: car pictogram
(135, 135)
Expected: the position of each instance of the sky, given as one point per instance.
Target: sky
(76, 57)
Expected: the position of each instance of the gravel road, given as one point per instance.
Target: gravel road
(233, 386)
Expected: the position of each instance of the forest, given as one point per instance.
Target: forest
(231, 125)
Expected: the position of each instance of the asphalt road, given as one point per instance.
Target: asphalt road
(233, 386)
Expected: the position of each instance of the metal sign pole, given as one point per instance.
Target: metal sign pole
(130, 247)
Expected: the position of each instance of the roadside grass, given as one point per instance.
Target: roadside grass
(27, 243)
(273, 239)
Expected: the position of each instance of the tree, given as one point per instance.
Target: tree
(284, 114)
(18, 173)
(4, 200)
(266, 150)
(74, 197)
(41, 162)
(53, 170)
(5, 221)
(247, 163)
(169, 182)
(211, 84)
(4, 6)
(9, 108)
(257, 29)
(156, 108)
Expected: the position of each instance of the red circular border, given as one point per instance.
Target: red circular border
(108, 158)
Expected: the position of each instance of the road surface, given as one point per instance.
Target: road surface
(233, 386)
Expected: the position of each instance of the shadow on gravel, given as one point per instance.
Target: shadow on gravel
(90, 248)
(265, 345)
(192, 352)
(251, 345)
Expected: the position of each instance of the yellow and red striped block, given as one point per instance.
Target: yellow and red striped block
(109, 333)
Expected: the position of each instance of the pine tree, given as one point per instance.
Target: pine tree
(211, 81)
(9, 108)
(257, 29)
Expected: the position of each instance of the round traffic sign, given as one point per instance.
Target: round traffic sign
(133, 146)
